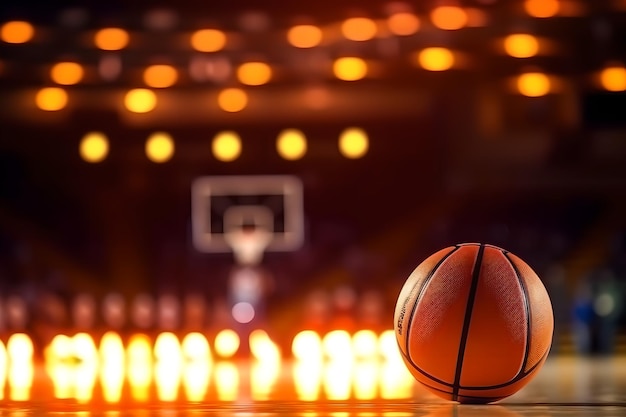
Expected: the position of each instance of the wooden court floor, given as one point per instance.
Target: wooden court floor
(566, 386)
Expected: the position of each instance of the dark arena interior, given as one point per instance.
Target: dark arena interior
(210, 207)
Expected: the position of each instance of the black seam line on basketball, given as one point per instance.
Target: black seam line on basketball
(481, 388)
(466, 323)
(528, 310)
(421, 371)
(514, 380)
(486, 399)
(419, 295)
(477, 388)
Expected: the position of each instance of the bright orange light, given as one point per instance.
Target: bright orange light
(112, 379)
(353, 143)
(226, 146)
(395, 381)
(337, 380)
(139, 379)
(521, 45)
(449, 17)
(195, 347)
(94, 147)
(254, 73)
(160, 147)
(140, 100)
(542, 8)
(67, 73)
(291, 144)
(20, 374)
(388, 346)
(160, 76)
(306, 346)
(111, 348)
(62, 376)
(307, 379)
(167, 378)
(84, 348)
(20, 348)
(4, 359)
(232, 100)
(304, 36)
(74, 380)
(226, 343)
(365, 377)
(263, 348)
(359, 29)
(263, 377)
(403, 23)
(139, 366)
(365, 344)
(226, 381)
(59, 349)
(51, 99)
(533, 84)
(337, 346)
(167, 348)
(208, 40)
(3, 368)
(17, 31)
(71, 363)
(195, 379)
(350, 68)
(85, 374)
(436, 59)
(111, 39)
(139, 349)
(613, 78)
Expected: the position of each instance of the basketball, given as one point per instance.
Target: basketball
(474, 323)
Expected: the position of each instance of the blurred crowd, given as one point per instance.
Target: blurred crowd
(357, 290)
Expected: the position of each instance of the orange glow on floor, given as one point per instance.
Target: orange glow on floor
(20, 379)
(112, 381)
(167, 378)
(263, 378)
(196, 380)
(227, 379)
(336, 366)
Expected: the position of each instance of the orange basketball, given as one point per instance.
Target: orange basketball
(474, 323)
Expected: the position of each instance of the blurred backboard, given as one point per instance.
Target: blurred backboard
(222, 206)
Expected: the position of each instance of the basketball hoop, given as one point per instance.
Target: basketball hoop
(222, 204)
(248, 244)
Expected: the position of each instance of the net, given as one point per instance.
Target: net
(248, 244)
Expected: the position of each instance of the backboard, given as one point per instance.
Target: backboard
(224, 205)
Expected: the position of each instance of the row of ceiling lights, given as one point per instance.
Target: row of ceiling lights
(347, 68)
(226, 146)
(402, 22)
(142, 100)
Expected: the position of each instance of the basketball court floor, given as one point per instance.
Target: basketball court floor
(566, 386)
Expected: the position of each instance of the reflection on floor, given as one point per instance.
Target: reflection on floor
(144, 380)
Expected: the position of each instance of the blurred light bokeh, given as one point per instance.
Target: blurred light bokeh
(411, 126)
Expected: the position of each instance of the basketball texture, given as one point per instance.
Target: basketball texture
(474, 323)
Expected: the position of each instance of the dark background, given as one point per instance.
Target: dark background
(454, 156)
